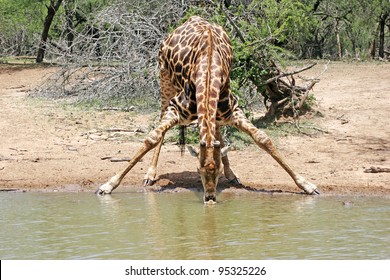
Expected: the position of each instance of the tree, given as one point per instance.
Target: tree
(111, 59)
(351, 27)
(261, 32)
(52, 9)
(19, 20)
(382, 19)
(77, 14)
(337, 12)
(110, 53)
(379, 18)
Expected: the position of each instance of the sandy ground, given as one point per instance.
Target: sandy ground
(49, 147)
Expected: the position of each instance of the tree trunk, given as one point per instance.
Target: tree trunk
(337, 30)
(70, 12)
(69, 31)
(372, 49)
(51, 11)
(382, 25)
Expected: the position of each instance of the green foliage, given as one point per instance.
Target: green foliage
(14, 13)
(234, 137)
(310, 102)
(262, 32)
(19, 20)
(306, 28)
(191, 135)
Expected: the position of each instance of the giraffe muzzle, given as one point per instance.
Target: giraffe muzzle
(210, 199)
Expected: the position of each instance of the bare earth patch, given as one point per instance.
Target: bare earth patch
(45, 146)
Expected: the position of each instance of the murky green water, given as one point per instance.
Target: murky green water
(179, 226)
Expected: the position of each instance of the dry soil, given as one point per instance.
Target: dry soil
(46, 146)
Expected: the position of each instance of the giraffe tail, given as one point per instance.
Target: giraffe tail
(182, 139)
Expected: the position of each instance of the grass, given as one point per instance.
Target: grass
(17, 60)
(241, 140)
(290, 128)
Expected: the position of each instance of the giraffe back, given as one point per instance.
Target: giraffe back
(197, 58)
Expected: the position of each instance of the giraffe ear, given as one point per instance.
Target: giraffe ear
(225, 150)
(193, 151)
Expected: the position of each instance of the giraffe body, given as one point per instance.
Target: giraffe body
(195, 65)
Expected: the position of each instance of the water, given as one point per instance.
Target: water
(179, 226)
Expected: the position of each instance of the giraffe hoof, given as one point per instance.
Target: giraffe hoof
(101, 192)
(148, 182)
(210, 200)
(106, 188)
(311, 189)
(235, 181)
(316, 192)
(313, 192)
(308, 187)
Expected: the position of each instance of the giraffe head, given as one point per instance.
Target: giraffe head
(210, 167)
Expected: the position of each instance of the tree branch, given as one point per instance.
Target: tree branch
(289, 73)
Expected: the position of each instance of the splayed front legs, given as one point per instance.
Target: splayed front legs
(239, 120)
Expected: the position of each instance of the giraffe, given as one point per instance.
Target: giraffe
(195, 64)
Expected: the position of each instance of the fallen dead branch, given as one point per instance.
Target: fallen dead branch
(135, 130)
(283, 97)
(111, 61)
(131, 108)
(374, 169)
(290, 73)
(115, 159)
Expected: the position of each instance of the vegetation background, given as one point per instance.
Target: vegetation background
(107, 49)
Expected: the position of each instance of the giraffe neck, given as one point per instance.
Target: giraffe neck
(209, 124)
(207, 90)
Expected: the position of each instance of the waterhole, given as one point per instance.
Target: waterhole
(179, 226)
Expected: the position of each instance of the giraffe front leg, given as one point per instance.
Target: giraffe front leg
(263, 141)
(114, 181)
(150, 176)
(229, 174)
(171, 118)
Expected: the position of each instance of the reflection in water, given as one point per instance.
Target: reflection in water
(178, 226)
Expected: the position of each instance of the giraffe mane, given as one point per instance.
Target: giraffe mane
(208, 82)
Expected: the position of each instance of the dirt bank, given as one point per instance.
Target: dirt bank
(45, 146)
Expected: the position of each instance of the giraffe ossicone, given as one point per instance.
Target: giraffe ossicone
(195, 65)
